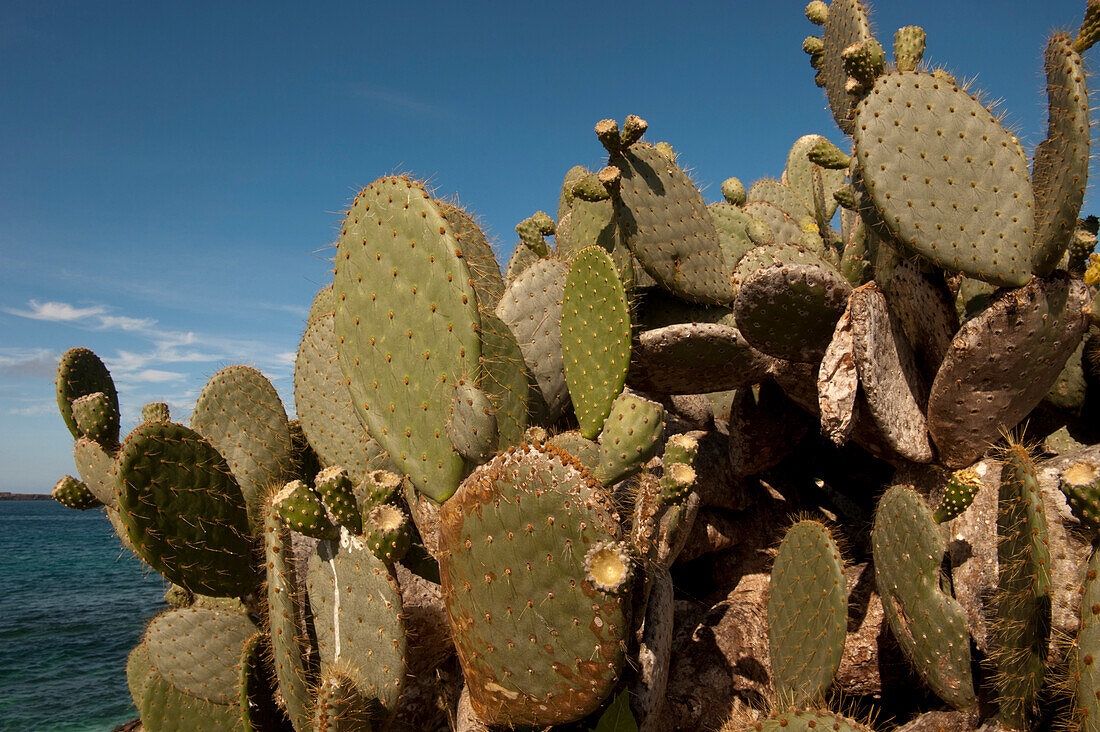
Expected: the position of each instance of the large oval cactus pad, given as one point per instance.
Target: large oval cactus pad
(80, 372)
(406, 326)
(538, 641)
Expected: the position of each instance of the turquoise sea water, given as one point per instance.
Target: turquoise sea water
(72, 605)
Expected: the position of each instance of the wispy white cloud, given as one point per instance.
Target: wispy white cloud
(35, 362)
(57, 312)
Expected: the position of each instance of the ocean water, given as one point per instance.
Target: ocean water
(72, 605)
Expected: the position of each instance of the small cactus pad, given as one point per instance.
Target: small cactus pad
(72, 493)
(1001, 364)
(1061, 166)
(1022, 626)
(845, 24)
(807, 614)
(959, 492)
(256, 687)
(286, 620)
(472, 425)
(1080, 483)
(339, 707)
(80, 372)
(790, 311)
(733, 226)
(155, 412)
(337, 493)
(531, 308)
(97, 419)
(733, 191)
(324, 405)
(1086, 670)
(595, 333)
(838, 383)
(521, 259)
(779, 195)
(357, 613)
(300, 509)
(805, 720)
(929, 626)
(183, 510)
(406, 326)
(240, 414)
(665, 223)
(629, 438)
(946, 179)
(694, 358)
(539, 643)
(198, 651)
(894, 388)
(909, 43)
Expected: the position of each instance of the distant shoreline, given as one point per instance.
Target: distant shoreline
(6, 496)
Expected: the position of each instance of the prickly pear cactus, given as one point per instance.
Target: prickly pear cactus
(538, 633)
(81, 372)
(406, 326)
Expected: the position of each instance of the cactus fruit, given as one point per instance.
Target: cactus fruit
(807, 614)
(386, 532)
(595, 332)
(155, 412)
(733, 191)
(335, 489)
(72, 493)
(538, 642)
(406, 326)
(958, 494)
(300, 509)
(930, 626)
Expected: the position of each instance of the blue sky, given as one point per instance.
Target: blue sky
(171, 175)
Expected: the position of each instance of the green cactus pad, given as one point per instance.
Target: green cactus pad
(80, 372)
(538, 643)
(337, 493)
(240, 414)
(96, 419)
(958, 494)
(694, 358)
(845, 24)
(577, 446)
(476, 252)
(595, 332)
(472, 424)
(198, 651)
(155, 412)
(790, 311)
(164, 708)
(665, 223)
(406, 326)
(287, 621)
(1080, 483)
(505, 379)
(807, 614)
(784, 229)
(909, 43)
(380, 486)
(533, 231)
(827, 155)
(256, 687)
(806, 720)
(1061, 167)
(772, 255)
(732, 225)
(893, 386)
(300, 509)
(323, 402)
(521, 259)
(1022, 626)
(531, 307)
(946, 179)
(72, 493)
(929, 626)
(1001, 364)
(777, 194)
(357, 614)
(864, 61)
(340, 707)
(629, 438)
(733, 191)
(1086, 673)
(183, 510)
